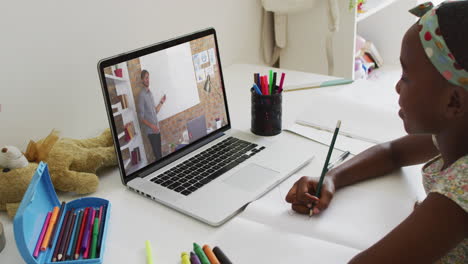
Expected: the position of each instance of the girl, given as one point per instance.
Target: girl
(433, 93)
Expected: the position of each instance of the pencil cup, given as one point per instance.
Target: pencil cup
(266, 114)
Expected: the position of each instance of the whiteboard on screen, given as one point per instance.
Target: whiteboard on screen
(172, 74)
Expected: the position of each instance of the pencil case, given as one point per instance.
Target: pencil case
(40, 199)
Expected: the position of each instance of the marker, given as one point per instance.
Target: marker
(274, 83)
(194, 258)
(149, 252)
(257, 79)
(59, 216)
(271, 82)
(50, 228)
(42, 234)
(211, 256)
(185, 258)
(265, 85)
(221, 256)
(257, 89)
(201, 255)
(281, 82)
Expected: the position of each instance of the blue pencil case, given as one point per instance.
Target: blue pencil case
(40, 199)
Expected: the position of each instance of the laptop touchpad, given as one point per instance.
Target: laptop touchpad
(251, 177)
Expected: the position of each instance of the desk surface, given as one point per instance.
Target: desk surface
(266, 230)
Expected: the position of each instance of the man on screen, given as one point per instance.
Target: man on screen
(148, 114)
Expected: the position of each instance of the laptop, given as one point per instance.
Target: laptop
(211, 178)
(196, 128)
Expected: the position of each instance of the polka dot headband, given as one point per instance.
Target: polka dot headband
(435, 47)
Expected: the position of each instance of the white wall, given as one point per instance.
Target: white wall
(49, 50)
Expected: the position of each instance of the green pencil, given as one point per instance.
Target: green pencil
(325, 165)
(95, 237)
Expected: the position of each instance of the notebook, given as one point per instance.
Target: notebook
(211, 176)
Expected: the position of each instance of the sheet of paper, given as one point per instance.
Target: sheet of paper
(243, 241)
(342, 143)
(360, 121)
(358, 216)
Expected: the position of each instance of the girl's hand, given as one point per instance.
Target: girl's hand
(302, 194)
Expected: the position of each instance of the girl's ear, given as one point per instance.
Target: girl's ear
(458, 103)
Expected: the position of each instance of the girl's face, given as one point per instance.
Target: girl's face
(423, 91)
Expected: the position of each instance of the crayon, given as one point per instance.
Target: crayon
(211, 256)
(201, 255)
(50, 228)
(221, 256)
(185, 258)
(149, 252)
(42, 234)
(194, 258)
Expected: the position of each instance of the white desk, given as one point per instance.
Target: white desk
(359, 215)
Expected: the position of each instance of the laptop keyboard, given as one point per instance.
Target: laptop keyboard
(206, 166)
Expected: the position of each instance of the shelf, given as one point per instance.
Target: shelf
(373, 6)
(127, 163)
(121, 112)
(115, 78)
(130, 143)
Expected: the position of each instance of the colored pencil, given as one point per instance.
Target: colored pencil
(94, 237)
(88, 234)
(72, 248)
(101, 229)
(42, 234)
(60, 236)
(67, 235)
(59, 217)
(80, 237)
(50, 227)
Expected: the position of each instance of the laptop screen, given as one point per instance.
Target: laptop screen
(164, 101)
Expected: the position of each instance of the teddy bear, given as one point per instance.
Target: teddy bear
(72, 165)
